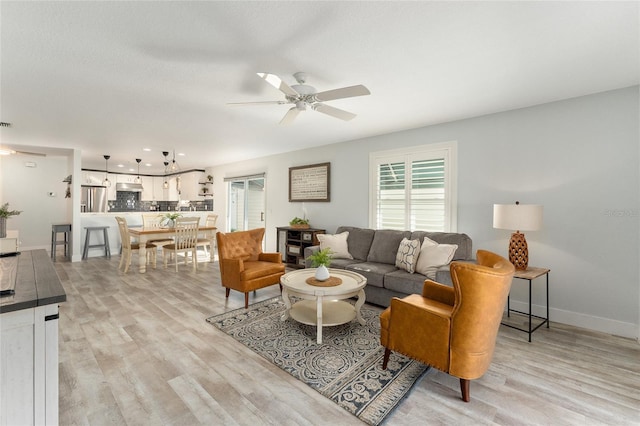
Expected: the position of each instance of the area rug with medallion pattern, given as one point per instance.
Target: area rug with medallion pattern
(346, 367)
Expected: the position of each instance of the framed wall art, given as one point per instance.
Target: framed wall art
(310, 183)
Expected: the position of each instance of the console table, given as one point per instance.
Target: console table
(291, 242)
(29, 343)
(530, 274)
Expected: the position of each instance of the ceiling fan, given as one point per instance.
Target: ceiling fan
(302, 96)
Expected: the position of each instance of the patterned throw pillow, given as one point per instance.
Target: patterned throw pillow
(407, 256)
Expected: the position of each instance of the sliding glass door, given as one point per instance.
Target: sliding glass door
(246, 203)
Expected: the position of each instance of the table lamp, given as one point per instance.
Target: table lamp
(518, 217)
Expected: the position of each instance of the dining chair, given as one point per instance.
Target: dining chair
(154, 220)
(184, 241)
(129, 247)
(211, 220)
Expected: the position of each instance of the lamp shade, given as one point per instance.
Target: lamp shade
(517, 217)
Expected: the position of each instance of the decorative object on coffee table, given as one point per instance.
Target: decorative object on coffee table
(518, 217)
(321, 260)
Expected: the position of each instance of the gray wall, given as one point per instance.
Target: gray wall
(579, 158)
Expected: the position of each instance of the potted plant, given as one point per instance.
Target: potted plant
(321, 260)
(169, 219)
(299, 223)
(5, 214)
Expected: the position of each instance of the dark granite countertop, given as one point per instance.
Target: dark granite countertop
(37, 283)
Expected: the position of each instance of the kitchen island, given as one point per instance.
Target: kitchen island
(134, 219)
(29, 339)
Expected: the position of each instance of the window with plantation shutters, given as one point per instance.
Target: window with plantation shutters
(414, 189)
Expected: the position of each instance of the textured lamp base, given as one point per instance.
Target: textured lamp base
(518, 251)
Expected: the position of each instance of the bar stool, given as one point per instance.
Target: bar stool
(64, 228)
(105, 244)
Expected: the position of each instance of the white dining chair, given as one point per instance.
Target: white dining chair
(205, 243)
(184, 241)
(129, 247)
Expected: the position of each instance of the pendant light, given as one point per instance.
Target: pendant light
(106, 181)
(165, 185)
(174, 166)
(137, 179)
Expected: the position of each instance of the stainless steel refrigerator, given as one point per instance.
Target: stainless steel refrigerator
(93, 198)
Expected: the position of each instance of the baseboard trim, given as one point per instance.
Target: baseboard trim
(577, 319)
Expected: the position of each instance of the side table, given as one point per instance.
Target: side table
(530, 274)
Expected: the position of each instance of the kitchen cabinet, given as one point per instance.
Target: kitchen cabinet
(189, 186)
(158, 190)
(147, 188)
(92, 178)
(111, 190)
(29, 344)
(171, 193)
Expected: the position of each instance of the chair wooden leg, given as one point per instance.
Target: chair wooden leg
(246, 300)
(385, 360)
(464, 387)
(227, 291)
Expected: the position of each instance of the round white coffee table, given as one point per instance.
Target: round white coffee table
(323, 306)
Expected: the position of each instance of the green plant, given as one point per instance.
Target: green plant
(170, 217)
(321, 257)
(6, 213)
(298, 221)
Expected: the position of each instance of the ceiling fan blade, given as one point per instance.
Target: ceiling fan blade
(345, 92)
(334, 112)
(290, 116)
(257, 103)
(277, 82)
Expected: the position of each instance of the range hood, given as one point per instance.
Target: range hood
(129, 187)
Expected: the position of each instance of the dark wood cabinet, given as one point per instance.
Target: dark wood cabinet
(292, 241)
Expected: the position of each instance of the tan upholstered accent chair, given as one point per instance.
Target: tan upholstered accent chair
(243, 265)
(453, 329)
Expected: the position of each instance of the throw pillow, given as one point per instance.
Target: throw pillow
(337, 243)
(407, 256)
(434, 255)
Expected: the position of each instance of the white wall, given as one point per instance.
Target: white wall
(579, 158)
(28, 188)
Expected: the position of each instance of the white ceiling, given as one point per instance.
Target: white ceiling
(117, 77)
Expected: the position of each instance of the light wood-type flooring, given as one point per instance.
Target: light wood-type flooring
(135, 349)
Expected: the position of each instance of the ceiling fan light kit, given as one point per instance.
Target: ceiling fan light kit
(302, 96)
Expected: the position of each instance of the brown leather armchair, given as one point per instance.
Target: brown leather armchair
(453, 329)
(243, 265)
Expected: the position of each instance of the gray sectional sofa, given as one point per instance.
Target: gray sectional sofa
(374, 255)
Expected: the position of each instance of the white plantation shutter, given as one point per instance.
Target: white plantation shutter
(414, 189)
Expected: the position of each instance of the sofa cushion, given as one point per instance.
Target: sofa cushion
(359, 241)
(463, 242)
(384, 247)
(342, 263)
(373, 272)
(407, 255)
(336, 243)
(404, 282)
(434, 255)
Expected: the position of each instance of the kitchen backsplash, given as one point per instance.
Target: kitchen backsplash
(128, 202)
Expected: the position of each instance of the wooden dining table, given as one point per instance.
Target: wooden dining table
(148, 234)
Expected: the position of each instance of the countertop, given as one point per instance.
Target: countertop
(37, 283)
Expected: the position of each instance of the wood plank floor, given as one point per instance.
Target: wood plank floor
(136, 350)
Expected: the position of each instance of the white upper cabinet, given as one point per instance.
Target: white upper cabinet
(147, 189)
(189, 186)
